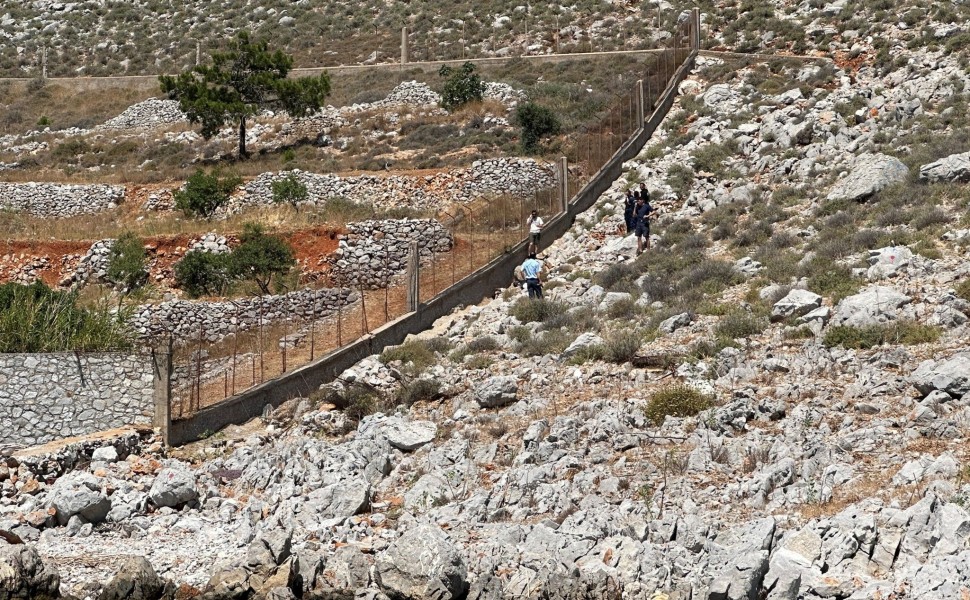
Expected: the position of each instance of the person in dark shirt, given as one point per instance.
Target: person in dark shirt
(641, 219)
(629, 206)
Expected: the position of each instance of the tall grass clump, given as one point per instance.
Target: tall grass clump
(527, 310)
(676, 401)
(35, 318)
(417, 355)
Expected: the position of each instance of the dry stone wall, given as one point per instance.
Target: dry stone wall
(375, 251)
(516, 176)
(59, 200)
(50, 396)
(188, 320)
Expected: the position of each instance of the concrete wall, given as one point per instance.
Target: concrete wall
(44, 397)
(470, 290)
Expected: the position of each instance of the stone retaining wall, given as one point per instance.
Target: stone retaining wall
(57, 200)
(44, 397)
(185, 320)
(515, 176)
(376, 251)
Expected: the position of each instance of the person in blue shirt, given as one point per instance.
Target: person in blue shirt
(532, 268)
(641, 220)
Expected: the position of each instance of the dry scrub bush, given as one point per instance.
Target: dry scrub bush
(676, 401)
(899, 332)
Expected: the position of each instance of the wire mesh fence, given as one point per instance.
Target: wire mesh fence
(207, 371)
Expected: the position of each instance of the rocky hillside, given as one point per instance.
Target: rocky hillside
(91, 37)
(772, 402)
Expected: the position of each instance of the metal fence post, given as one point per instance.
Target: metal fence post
(405, 59)
(640, 106)
(563, 184)
(695, 26)
(162, 393)
(198, 370)
(363, 310)
(414, 279)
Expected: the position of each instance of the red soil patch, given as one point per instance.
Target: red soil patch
(53, 261)
(311, 248)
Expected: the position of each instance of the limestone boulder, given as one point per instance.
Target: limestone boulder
(869, 174)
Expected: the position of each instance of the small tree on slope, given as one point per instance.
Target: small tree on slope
(260, 257)
(239, 83)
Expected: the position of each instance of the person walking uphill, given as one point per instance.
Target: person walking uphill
(641, 219)
(628, 207)
(535, 224)
(531, 268)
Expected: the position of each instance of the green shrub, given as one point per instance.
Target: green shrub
(680, 179)
(205, 192)
(479, 361)
(587, 354)
(462, 85)
(928, 217)
(478, 345)
(358, 401)
(417, 390)
(753, 234)
(35, 318)
(615, 274)
(127, 263)
(963, 289)
(536, 122)
(739, 325)
(676, 401)
(708, 348)
(799, 333)
(710, 158)
(260, 257)
(417, 353)
(622, 309)
(710, 276)
(899, 332)
(290, 190)
(621, 346)
(547, 342)
(202, 273)
(527, 310)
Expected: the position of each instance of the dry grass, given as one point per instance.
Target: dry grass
(63, 106)
(142, 159)
(130, 217)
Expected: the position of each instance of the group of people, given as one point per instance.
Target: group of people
(637, 214)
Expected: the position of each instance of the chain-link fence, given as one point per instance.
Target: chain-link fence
(269, 341)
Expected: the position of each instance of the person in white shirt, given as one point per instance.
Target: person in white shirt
(535, 224)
